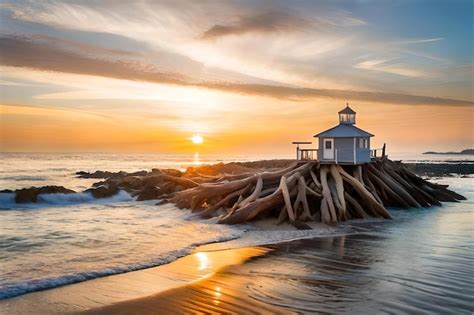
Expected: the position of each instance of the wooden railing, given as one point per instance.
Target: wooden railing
(378, 153)
(307, 154)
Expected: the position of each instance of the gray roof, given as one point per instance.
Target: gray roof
(347, 110)
(344, 131)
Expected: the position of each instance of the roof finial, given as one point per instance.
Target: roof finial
(347, 104)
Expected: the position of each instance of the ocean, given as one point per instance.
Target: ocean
(64, 239)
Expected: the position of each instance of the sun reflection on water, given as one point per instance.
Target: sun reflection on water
(203, 261)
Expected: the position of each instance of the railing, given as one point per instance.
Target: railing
(378, 153)
(307, 154)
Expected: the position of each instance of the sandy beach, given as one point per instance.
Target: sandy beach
(381, 271)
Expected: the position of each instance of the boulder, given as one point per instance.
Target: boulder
(103, 191)
(108, 175)
(149, 193)
(28, 195)
(172, 172)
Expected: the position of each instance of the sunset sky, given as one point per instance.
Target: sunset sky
(248, 77)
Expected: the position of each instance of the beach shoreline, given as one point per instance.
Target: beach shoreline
(343, 274)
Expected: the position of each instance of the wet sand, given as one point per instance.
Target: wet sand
(366, 273)
(124, 290)
(419, 263)
(335, 275)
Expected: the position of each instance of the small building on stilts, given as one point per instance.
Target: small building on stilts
(342, 144)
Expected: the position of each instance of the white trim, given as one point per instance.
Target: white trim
(355, 151)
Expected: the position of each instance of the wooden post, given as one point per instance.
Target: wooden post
(383, 150)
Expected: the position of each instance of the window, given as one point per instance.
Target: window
(328, 144)
(363, 143)
(347, 118)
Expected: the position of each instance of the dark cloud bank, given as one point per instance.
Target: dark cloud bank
(20, 51)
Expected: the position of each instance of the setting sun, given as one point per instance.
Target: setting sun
(197, 139)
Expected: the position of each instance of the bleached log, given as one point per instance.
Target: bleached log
(335, 199)
(395, 187)
(364, 193)
(210, 210)
(356, 206)
(339, 187)
(286, 198)
(371, 188)
(315, 180)
(254, 195)
(327, 199)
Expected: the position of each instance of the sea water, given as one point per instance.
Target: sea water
(64, 239)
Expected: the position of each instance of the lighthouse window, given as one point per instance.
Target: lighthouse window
(363, 143)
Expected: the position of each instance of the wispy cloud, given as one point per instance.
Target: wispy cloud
(21, 52)
(270, 22)
(420, 41)
(389, 66)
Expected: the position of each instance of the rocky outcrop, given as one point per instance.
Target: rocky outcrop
(149, 193)
(28, 195)
(103, 191)
(106, 174)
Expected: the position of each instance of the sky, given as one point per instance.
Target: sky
(249, 77)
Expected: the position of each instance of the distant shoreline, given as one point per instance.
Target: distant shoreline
(463, 152)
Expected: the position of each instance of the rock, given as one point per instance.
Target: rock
(131, 182)
(6, 191)
(28, 195)
(103, 191)
(153, 180)
(156, 171)
(55, 190)
(149, 193)
(108, 175)
(172, 172)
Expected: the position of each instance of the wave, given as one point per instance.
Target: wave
(14, 289)
(25, 177)
(7, 200)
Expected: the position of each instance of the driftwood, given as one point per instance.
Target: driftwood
(310, 191)
(291, 191)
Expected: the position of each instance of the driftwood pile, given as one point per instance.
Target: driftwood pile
(309, 191)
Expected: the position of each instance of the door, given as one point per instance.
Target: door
(328, 151)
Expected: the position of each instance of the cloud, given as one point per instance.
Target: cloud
(28, 53)
(22, 51)
(421, 40)
(270, 22)
(387, 66)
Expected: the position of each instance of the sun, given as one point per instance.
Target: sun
(197, 139)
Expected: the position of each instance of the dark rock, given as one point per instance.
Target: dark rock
(97, 184)
(28, 195)
(149, 193)
(103, 191)
(153, 180)
(172, 172)
(441, 169)
(55, 190)
(156, 171)
(107, 175)
(6, 191)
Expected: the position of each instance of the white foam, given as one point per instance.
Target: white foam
(14, 289)
(7, 200)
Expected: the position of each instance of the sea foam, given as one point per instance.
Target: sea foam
(7, 200)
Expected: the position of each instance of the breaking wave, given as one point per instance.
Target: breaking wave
(7, 200)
